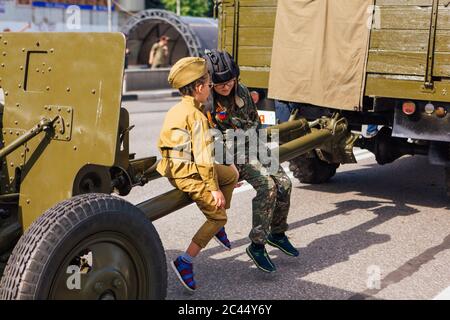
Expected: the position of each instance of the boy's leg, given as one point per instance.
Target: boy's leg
(216, 218)
(227, 179)
(183, 266)
(283, 201)
(277, 237)
(263, 204)
(282, 111)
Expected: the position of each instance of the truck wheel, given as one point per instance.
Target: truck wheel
(310, 169)
(92, 246)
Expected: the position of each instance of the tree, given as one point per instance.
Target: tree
(195, 8)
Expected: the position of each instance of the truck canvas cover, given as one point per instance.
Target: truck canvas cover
(320, 52)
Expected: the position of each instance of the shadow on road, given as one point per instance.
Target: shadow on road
(409, 180)
(393, 189)
(231, 279)
(245, 282)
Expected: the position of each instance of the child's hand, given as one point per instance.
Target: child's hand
(219, 199)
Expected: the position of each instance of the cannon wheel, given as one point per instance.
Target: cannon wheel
(310, 169)
(92, 246)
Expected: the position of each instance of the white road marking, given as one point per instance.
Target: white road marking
(444, 295)
(357, 152)
(366, 155)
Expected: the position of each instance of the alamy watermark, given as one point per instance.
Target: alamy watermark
(73, 17)
(205, 147)
(73, 281)
(374, 277)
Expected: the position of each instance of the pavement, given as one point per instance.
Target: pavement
(372, 232)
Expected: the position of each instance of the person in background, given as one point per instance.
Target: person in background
(159, 53)
(127, 57)
(283, 110)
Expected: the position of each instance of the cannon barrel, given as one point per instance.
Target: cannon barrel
(290, 130)
(302, 145)
(297, 138)
(164, 204)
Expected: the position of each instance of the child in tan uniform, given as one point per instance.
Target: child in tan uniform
(187, 161)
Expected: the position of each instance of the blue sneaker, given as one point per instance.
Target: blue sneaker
(282, 242)
(222, 239)
(372, 130)
(260, 257)
(185, 273)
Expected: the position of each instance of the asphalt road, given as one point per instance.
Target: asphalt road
(373, 232)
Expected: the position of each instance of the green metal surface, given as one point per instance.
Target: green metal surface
(302, 145)
(246, 30)
(76, 76)
(27, 136)
(407, 89)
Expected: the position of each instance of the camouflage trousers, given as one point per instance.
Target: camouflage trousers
(271, 203)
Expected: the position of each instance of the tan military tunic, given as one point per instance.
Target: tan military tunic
(186, 145)
(187, 149)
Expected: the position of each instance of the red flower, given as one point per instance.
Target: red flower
(222, 115)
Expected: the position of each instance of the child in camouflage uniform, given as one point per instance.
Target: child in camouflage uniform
(231, 107)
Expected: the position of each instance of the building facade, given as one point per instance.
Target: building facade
(66, 15)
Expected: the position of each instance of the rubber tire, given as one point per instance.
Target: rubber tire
(41, 250)
(310, 169)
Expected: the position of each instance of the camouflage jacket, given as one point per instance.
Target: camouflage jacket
(233, 113)
(236, 112)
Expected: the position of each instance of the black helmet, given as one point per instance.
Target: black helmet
(221, 66)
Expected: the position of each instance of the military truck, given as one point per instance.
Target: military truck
(383, 62)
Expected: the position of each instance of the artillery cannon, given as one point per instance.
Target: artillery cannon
(65, 150)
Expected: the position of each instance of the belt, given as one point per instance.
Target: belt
(176, 154)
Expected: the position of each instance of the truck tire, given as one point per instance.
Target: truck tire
(310, 169)
(92, 246)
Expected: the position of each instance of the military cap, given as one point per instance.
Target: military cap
(187, 70)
